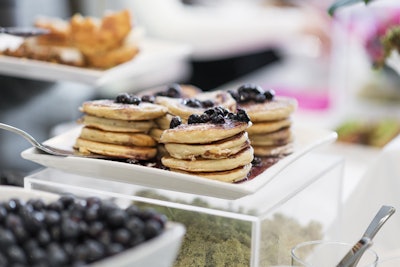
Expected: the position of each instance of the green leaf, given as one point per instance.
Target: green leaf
(341, 3)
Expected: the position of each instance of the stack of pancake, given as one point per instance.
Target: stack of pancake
(184, 107)
(119, 129)
(270, 134)
(214, 149)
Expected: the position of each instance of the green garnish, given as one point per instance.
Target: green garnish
(341, 3)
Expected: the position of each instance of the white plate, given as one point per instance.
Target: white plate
(161, 251)
(153, 52)
(306, 139)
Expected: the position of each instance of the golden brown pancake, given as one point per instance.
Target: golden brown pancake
(210, 165)
(114, 125)
(202, 133)
(118, 138)
(280, 137)
(273, 151)
(108, 108)
(229, 176)
(117, 151)
(268, 126)
(215, 150)
(177, 106)
(277, 109)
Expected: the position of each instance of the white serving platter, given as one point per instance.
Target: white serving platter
(153, 52)
(160, 251)
(306, 140)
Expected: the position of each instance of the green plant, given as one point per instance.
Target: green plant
(341, 3)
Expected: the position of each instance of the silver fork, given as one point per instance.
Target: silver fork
(45, 148)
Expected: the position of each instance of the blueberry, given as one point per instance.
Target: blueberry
(174, 91)
(43, 237)
(269, 94)
(37, 204)
(148, 98)
(69, 229)
(122, 98)
(114, 248)
(122, 236)
(56, 255)
(116, 218)
(36, 255)
(204, 118)
(51, 217)
(242, 116)
(219, 119)
(175, 122)
(192, 102)
(95, 228)
(95, 249)
(16, 255)
(207, 103)
(260, 98)
(152, 228)
(194, 118)
(6, 238)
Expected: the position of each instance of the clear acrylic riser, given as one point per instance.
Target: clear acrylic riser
(301, 203)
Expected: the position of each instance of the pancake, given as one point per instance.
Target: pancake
(229, 176)
(117, 151)
(216, 150)
(181, 106)
(280, 137)
(165, 121)
(107, 108)
(268, 126)
(210, 165)
(129, 139)
(202, 133)
(277, 109)
(114, 125)
(173, 90)
(273, 151)
(156, 133)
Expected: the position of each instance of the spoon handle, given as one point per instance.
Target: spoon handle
(380, 218)
(353, 256)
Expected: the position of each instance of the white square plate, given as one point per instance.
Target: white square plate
(306, 139)
(153, 52)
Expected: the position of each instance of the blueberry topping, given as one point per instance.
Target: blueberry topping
(148, 98)
(172, 91)
(175, 122)
(218, 115)
(196, 103)
(126, 98)
(252, 92)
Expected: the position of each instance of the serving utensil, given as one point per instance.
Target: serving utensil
(24, 31)
(353, 256)
(45, 148)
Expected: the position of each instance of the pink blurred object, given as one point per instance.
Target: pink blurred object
(307, 98)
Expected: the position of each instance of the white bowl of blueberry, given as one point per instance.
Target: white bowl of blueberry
(43, 229)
